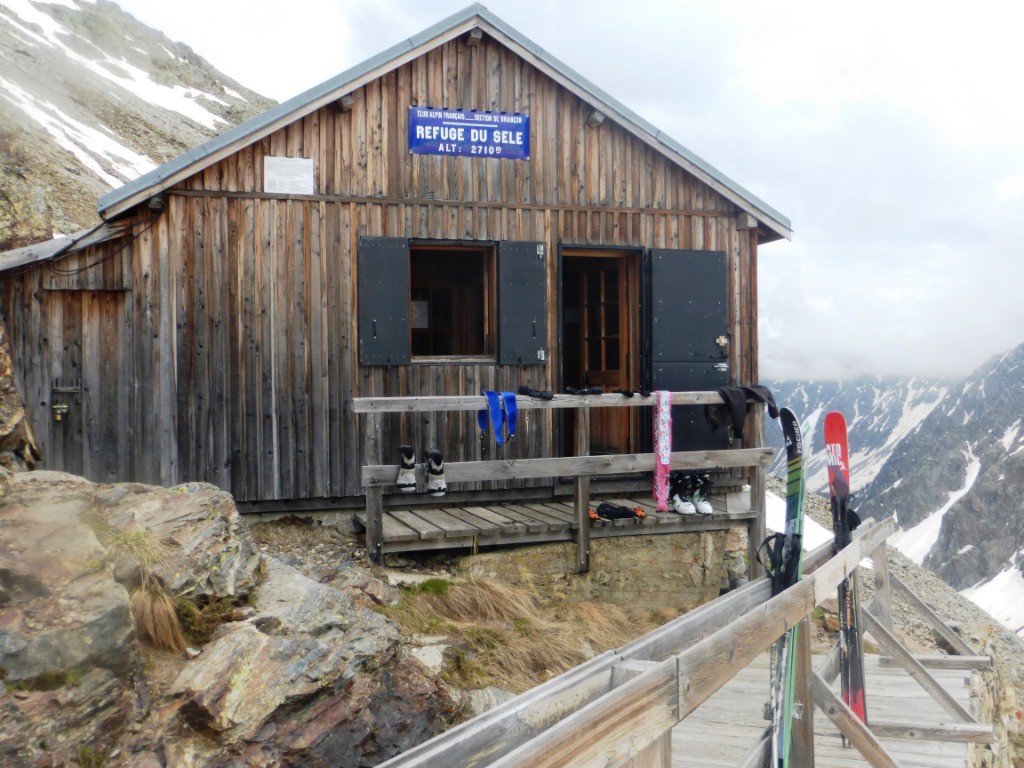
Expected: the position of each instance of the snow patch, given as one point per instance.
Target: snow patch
(1010, 435)
(917, 542)
(965, 550)
(775, 519)
(118, 71)
(1002, 597)
(89, 145)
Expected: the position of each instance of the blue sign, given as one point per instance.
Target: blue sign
(469, 133)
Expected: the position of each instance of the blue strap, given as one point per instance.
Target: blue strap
(497, 417)
(511, 412)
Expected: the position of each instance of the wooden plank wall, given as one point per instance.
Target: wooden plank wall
(239, 340)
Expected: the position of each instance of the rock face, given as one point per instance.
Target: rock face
(965, 459)
(301, 674)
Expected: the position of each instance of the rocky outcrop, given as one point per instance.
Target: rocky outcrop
(298, 673)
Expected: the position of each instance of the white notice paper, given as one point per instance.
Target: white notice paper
(288, 175)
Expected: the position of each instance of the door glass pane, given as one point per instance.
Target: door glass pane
(594, 361)
(611, 351)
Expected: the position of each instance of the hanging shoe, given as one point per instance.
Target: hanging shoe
(436, 485)
(407, 471)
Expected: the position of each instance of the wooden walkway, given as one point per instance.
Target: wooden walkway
(474, 524)
(722, 731)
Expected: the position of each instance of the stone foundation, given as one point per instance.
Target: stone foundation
(678, 571)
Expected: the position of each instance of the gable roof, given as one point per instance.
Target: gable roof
(774, 224)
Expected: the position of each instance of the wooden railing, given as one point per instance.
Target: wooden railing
(618, 709)
(375, 477)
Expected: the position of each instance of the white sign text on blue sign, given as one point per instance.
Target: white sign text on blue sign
(469, 133)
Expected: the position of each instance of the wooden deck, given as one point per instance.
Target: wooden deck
(722, 731)
(477, 525)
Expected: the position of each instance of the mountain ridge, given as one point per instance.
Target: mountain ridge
(90, 98)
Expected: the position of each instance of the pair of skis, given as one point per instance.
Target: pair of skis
(784, 554)
(844, 521)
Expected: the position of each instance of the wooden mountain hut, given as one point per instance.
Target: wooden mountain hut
(460, 213)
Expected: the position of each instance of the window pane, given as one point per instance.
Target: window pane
(450, 294)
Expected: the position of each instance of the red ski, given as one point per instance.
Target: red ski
(844, 520)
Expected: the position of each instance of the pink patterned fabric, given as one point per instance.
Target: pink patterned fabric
(662, 447)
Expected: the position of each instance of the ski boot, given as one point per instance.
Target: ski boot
(436, 485)
(407, 471)
(681, 500)
(700, 494)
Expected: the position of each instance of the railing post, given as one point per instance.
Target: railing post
(373, 453)
(802, 749)
(581, 495)
(757, 529)
(883, 592)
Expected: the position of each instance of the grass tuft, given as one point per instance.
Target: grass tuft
(504, 636)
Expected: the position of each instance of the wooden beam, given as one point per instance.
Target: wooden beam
(416, 404)
(930, 616)
(657, 754)
(609, 731)
(745, 220)
(970, 733)
(979, 663)
(474, 37)
(850, 725)
(581, 497)
(880, 577)
(595, 118)
(517, 469)
(894, 648)
(802, 750)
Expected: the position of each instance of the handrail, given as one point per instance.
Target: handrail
(421, 404)
(581, 718)
(578, 466)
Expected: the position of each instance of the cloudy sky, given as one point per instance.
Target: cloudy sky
(890, 133)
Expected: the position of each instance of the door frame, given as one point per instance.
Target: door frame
(632, 257)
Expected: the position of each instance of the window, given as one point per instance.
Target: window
(424, 301)
(451, 301)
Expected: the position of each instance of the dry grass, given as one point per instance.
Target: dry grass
(156, 623)
(136, 546)
(287, 531)
(503, 636)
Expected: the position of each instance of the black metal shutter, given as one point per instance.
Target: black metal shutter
(522, 303)
(689, 330)
(383, 301)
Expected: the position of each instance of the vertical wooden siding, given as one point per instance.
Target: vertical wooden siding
(240, 322)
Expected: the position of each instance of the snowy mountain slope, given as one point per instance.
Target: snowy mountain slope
(90, 99)
(879, 414)
(947, 458)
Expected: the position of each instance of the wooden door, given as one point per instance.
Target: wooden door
(604, 351)
(88, 430)
(598, 330)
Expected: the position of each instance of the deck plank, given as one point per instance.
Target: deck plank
(724, 728)
(484, 527)
(453, 526)
(423, 529)
(531, 524)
